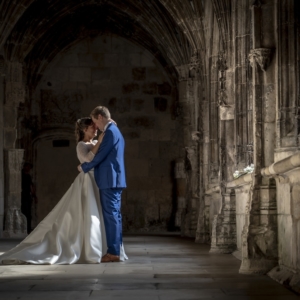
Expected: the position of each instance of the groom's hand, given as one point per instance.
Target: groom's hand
(79, 168)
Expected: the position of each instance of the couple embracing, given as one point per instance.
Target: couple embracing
(83, 228)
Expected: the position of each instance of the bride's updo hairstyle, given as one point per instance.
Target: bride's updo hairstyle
(80, 126)
(100, 110)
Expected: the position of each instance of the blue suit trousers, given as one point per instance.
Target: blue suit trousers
(111, 208)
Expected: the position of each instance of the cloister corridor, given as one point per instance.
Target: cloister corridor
(165, 267)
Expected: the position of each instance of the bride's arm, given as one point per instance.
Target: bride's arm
(97, 145)
(83, 152)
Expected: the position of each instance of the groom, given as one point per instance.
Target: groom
(110, 177)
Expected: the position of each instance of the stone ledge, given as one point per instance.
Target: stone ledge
(212, 190)
(282, 166)
(242, 180)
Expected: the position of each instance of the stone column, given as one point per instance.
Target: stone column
(188, 91)
(224, 225)
(286, 168)
(15, 221)
(208, 146)
(180, 179)
(287, 175)
(2, 74)
(259, 236)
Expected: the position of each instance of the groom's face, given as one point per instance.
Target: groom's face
(99, 122)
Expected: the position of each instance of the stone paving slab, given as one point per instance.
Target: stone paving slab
(159, 268)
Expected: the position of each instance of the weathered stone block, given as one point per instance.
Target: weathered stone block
(164, 134)
(137, 167)
(296, 202)
(135, 59)
(132, 148)
(86, 59)
(138, 104)
(150, 88)
(69, 60)
(160, 104)
(154, 74)
(139, 74)
(141, 122)
(164, 89)
(148, 135)
(14, 182)
(9, 138)
(101, 74)
(148, 149)
(80, 74)
(130, 88)
(60, 74)
(117, 45)
(123, 105)
(147, 61)
(121, 73)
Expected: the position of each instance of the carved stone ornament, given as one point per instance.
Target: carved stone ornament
(195, 136)
(183, 72)
(226, 112)
(262, 56)
(195, 61)
(221, 62)
(222, 67)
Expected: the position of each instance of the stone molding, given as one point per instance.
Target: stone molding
(195, 62)
(215, 189)
(222, 67)
(15, 221)
(261, 56)
(282, 166)
(226, 112)
(244, 179)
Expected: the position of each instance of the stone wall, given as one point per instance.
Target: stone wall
(110, 71)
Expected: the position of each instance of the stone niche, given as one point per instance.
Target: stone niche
(111, 71)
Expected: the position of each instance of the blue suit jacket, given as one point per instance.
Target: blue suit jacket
(108, 162)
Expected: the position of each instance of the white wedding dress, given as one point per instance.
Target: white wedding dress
(73, 232)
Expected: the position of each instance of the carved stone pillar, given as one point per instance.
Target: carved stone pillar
(287, 175)
(224, 225)
(212, 209)
(243, 190)
(15, 222)
(180, 178)
(2, 74)
(259, 235)
(188, 94)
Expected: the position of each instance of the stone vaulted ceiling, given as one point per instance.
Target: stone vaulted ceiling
(34, 31)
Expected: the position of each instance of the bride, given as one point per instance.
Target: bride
(73, 232)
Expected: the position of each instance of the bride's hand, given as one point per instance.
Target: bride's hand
(100, 137)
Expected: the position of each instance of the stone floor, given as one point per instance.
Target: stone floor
(159, 268)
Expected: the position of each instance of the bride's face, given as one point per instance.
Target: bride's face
(90, 132)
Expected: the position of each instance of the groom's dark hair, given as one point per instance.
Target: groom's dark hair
(100, 110)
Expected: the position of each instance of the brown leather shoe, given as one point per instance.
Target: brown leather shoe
(110, 258)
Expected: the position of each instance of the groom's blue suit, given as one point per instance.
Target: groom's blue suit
(109, 171)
